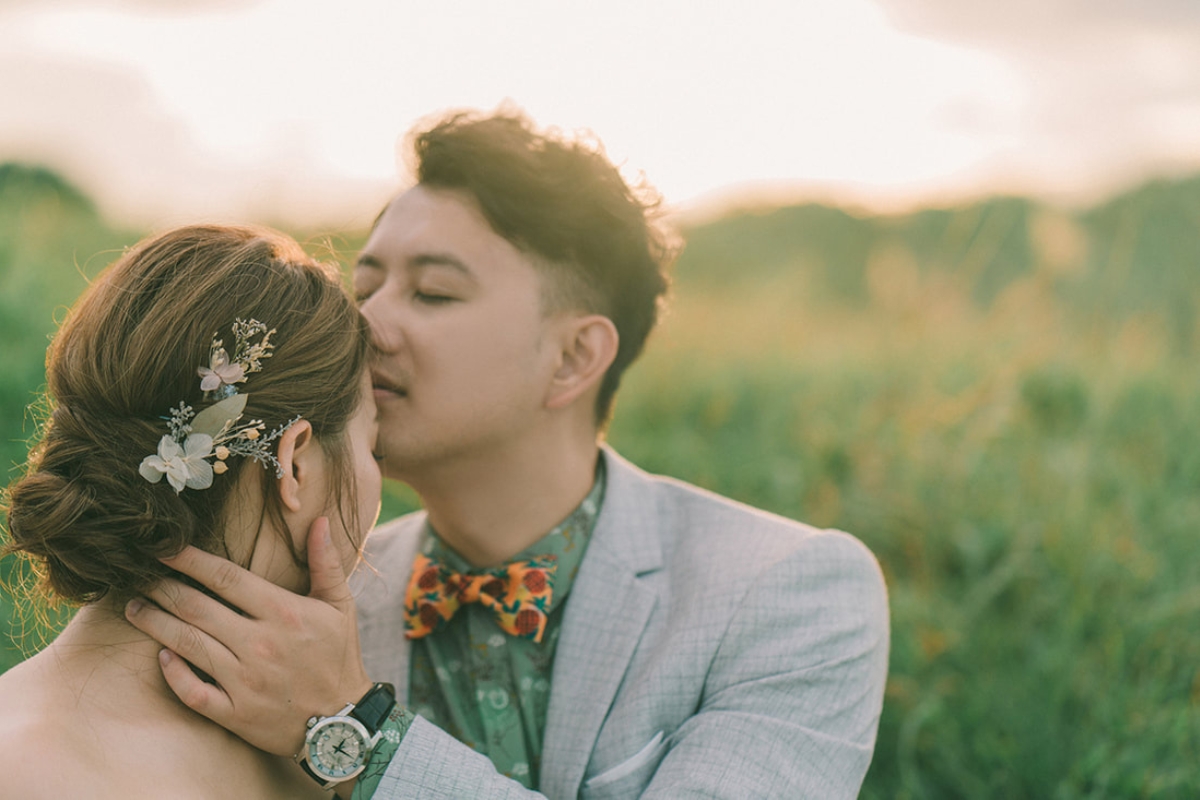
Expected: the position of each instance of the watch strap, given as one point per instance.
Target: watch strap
(324, 782)
(374, 706)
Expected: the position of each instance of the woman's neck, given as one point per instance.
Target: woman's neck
(111, 664)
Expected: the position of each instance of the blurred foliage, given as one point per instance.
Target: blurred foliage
(999, 399)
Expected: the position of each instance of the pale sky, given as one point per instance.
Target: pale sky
(292, 110)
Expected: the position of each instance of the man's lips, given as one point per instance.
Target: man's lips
(382, 384)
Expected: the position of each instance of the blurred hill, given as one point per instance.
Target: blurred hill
(1137, 253)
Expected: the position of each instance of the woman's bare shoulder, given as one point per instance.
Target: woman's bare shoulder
(54, 743)
(27, 699)
(31, 764)
(39, 752)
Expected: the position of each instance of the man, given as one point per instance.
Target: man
(555, 620)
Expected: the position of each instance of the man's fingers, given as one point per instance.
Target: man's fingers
(187, 640)
(196, 608)
(326, 576)
(203, 698)
(238, 586)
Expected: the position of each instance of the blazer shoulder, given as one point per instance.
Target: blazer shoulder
(705, 533)
(705, 518)
(394, 535)
(382, 572)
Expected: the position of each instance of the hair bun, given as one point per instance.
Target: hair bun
(97, 527)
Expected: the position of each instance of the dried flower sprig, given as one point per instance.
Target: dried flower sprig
(217, 431)
(218, 378)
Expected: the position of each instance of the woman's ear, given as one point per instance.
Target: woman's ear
(295, 452)
(589, 345)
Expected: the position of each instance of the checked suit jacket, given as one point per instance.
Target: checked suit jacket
(708, 649)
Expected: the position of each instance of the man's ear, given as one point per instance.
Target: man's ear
(295, 452)
(589, 345)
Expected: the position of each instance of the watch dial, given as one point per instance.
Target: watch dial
(337, 750)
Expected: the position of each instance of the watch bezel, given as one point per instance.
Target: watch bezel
(366, 743)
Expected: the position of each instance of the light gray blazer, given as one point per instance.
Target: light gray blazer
(708, 650)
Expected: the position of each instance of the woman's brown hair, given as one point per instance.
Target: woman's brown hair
(128, 353)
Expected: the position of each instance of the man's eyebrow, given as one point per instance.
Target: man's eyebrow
(440, 260)
(369, 261)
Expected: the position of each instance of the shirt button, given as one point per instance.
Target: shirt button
(498, 699)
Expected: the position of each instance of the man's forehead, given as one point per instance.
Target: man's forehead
(433, 227)
(441, 201)
(431, 211)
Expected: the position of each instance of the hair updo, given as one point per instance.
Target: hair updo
(128, 353)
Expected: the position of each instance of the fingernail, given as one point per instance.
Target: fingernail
(164, 657)
(133, 607)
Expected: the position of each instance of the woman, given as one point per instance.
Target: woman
(208, 389)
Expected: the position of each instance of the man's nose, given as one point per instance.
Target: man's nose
(386, 328)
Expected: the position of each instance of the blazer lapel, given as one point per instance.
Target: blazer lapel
(379, 585)
(606, 613)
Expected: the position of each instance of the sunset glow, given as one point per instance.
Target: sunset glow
(291, 110)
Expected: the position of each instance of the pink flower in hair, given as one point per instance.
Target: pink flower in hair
(220, 372)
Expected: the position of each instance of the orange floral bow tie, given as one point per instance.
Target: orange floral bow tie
(518, 593)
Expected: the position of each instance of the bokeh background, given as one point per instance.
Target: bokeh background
(940, 290)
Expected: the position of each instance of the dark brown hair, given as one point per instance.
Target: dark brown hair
(599, 241)
(128, 353)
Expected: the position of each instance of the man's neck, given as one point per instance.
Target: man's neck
(492, 507)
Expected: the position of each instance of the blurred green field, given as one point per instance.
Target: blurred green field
(1000, 399)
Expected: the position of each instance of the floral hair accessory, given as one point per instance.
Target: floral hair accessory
(222, 373)
(217, 431)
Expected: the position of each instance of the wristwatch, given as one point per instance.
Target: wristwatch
(336, 748)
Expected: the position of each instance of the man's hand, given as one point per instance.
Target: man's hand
(288, 658)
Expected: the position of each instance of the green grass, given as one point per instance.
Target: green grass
(1000, 400)
(1043, 585)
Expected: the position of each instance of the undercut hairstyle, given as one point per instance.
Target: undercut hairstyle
(598, 242)
(128, 353)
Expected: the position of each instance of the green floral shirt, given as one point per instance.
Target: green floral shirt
(487, 689)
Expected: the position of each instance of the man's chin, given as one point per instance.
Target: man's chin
(397, 468)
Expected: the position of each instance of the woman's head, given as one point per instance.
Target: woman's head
(129, 354)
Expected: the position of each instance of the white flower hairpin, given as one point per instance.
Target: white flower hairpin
(217, 431)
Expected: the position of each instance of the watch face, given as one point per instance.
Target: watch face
(337, 748)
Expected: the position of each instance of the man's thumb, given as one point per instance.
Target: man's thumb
(327, 580)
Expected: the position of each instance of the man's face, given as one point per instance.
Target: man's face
(465, 356)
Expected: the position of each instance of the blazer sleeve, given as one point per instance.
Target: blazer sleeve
(433, 765)
(791, 704)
